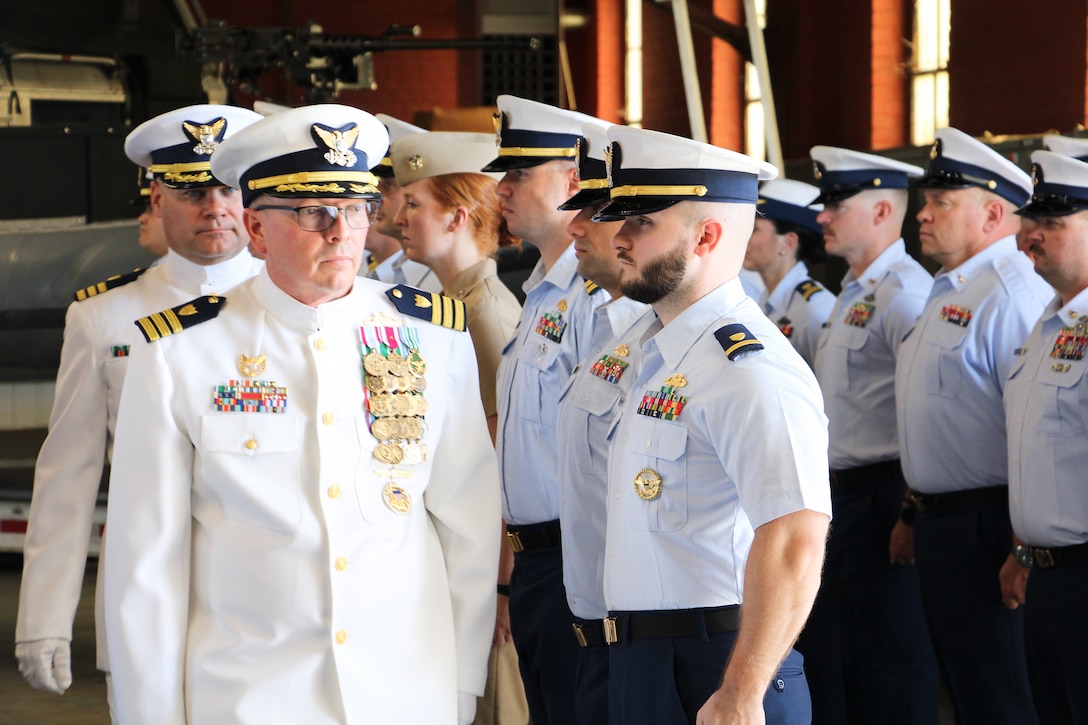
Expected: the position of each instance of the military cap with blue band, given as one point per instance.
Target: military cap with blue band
(650, 171)
(1067, 146)
(790, 201)
(397, 129)
(319, 151)
(592, 170)
(177, 146)
(958, 161)
(842, 173)
(531, 133)
(1061, 185)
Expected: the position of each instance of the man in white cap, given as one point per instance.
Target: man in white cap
(867, 651)
(949, 380)
(588, 406)
(785, 240)
(318, 544)
(1046, 406)
(383, 239)
(718, 499)
(537, 152)
(202, 221)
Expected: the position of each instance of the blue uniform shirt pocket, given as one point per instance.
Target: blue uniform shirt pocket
(659, 446)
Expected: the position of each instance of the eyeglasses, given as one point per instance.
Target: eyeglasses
(319, 218)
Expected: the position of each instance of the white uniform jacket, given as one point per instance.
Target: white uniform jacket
(98, 336)
(256, 568)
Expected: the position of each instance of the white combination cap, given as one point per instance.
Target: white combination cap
(1061, 185)
(841, 173)
(532, 133)
(1067, 146)
(397, 129)
(958, 161)
(790, 201)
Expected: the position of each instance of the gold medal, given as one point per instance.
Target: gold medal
(416, 363)
(382, 429)
(412, 428)
(419, 384)
(414, 454)
(374, 364)
(251, 367)
(396, 498)
(648, 484)
(419, 405)
(389, 453)
(397, 364)
(376, 383)
(381, 405)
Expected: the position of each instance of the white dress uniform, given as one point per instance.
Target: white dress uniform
(276, 571)
(747, 445)
(799, 306)
(98, 337)
(597, 390)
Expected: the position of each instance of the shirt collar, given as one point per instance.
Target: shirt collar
(561, 274)
(779, 299)
(219, 277)
(296, 315)
(1074, 313)
(964, 274)
(469, 278)
(621, 314)
(675, 339)
(878, 269)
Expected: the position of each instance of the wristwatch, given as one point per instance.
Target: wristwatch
(1023, 555)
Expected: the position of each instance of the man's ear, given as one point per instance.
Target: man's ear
(710, 233)
(255, 229)
(156, 197)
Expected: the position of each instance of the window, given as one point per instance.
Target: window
(929, 77)
(755, 129)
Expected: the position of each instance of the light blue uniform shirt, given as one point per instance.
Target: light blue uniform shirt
(953, 365)
(800, 313)
(749, 445)
(1046, 403)
(855, 356)
(398, 269)
(588, 407)
(554, 333)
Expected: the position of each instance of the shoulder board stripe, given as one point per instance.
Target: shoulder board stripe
(168, 322)
(735, 338)
(808, 288)
(434, 308)
(117, 280)
(591, 287)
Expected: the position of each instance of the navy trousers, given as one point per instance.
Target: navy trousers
(1056, 639)
(867, 653)
(540, 624)
(978, 640)
(591, 686)
(666, 681)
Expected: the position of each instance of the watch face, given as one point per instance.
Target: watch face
(1024, 556)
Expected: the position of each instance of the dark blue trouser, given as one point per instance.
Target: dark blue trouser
(867, 653)
(978, 640)
(666, 681)
(591, 685)
(1056, 639)
(540, 623)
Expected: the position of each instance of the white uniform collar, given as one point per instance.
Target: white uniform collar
(202, 279)
(561, 274)
(962, 275)
(878, 269)
(675, 339)
(779, 299)
(294, 314)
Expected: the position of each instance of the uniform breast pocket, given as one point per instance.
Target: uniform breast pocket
(944, 345)
(386, 497)
(1064, 398)
(538, 356)
(853, 340)
(252, 461)
(656, 449)
(596, 400)
(114, 369)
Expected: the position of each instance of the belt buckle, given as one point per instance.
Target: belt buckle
(514, 540)
(611, 635)
(579, 634)
(1043, 557)
(916, 501)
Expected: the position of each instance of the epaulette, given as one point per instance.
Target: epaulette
(182, 317)
(808, 288)
(592, 287)
(117, 280)
(736, 339)
(429, 306)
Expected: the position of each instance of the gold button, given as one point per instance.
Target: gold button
(251, 444)
(341, 563)
(334, 491)
(328, 418)
(320, 344)
(341, 637)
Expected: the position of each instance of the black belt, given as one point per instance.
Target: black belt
(865, 474)
(533, 536)
(925, 503)
(1057, 555)
(589, 632)
(660, 625)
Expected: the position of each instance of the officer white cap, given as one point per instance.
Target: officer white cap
(958, 161)
(397, 129)
(1067, 146)
(267, 108)
(841, 173)
(531, 133)
(650, 171)
(315, 151)
(790, 201)
(592, 171)
(1061, 185)
(177, 146)
(423, 155)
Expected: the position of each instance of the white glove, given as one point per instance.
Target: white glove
(466, 708)
(46, 663)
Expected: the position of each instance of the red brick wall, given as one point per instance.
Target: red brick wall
(891, 90)
(726, 125)
(608, 71)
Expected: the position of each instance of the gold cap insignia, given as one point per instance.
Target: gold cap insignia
(676, 381)
(415, 163)
(496, 119)
(935, 150)
(206, 135)
(817, 171)
(648, 484)
(608, 162)
(338, 141)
